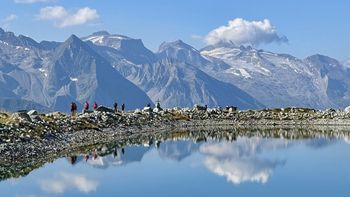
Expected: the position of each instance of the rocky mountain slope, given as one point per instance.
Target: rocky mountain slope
(108, 67)
(56, 74)
(172, 81)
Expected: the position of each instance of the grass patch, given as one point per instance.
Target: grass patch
(6, 118)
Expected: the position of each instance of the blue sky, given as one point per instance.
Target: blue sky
(311, 26)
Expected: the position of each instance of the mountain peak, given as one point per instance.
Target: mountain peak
(324, 61)
(321, 58)
(21, 40)
(73, 39)
(101, 33)
(178, 44)
(229, 45)
(73, 43)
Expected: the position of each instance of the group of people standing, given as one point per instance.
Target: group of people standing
(74, 108)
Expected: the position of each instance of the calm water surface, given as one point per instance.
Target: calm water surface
(248, 166)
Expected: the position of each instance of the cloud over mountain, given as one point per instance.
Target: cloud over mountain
(6, 22)
(65, 18)
(241, 32)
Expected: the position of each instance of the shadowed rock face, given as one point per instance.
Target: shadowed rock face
(335, 74)
(50, 75)
(78, 72)
(166, 77)
(180, 84)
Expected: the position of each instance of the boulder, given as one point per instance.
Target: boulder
(137, 111)
(32, 112)
(85, 111)
(232, 109)
(55, 115)
(36, 118)
(347, 109)
(102, 108)
(157, 110)
(147, 109)
(22, 116)
(199, 107)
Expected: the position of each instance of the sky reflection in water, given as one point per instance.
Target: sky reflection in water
(246, 167)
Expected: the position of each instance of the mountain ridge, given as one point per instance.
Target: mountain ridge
(42, 72)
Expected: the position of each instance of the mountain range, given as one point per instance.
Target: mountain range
(106, 67)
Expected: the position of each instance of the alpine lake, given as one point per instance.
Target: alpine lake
(274, 162)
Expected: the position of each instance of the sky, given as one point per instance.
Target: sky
(300, 28)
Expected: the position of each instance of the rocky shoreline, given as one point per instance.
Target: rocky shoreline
(28, 137)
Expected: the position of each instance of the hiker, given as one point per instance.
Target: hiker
(95, 154)
(123, 107)
(95, 105)
(86, 106)
(115, 152)
(86, 157)
(158, 105)
(73, 159)
(115, 105)
(73, 108)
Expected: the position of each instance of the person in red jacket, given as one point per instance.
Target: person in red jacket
(95, 105)
(86, 105)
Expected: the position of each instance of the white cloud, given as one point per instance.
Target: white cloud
(81, 17)
(242, 32)
(33, 1)
(53, 12)
(10, 18)
(65, 18)
(6, 22)
(66, 181)
(239, 162)
(242, 170)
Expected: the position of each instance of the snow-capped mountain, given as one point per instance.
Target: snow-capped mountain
(107, 67)
(50, 77)
(131, 49)
(170, 79)
(183, 52)
(177, 83)
(276, 80)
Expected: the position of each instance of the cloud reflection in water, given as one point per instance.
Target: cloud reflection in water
(239, 161)
(66, 180)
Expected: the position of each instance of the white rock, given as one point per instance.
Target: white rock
(347, 109)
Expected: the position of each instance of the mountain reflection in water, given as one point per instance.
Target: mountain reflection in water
(222, 163)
